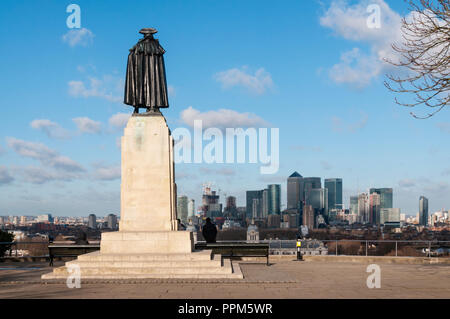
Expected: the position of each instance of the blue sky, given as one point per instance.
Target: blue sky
(310, 68)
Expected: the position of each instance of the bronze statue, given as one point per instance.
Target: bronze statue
(145, 83)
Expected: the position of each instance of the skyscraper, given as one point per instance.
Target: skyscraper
(111, 221)
(386, 196)
(363, 208)
(334, 186)
(191, 208)
(308, 216)
(318, 200)
(231, 202)
(256, 208)
(265, 203)
(250, 196)
(309, 184)
(354, 205)
(182, 208)
(295, 191)
(92, 221)
(390, 216)
(374, 209)
(274, 194)
(210, 203)
(423, 211)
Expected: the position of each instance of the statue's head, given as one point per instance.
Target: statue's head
(148, 32)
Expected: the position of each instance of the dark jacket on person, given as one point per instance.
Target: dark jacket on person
(209, 232)
(82, 239)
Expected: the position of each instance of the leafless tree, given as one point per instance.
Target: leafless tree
(425, 56)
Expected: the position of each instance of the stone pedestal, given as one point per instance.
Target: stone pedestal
(148, 244)
(148, 195)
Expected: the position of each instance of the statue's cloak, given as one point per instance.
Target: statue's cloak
(145, 83)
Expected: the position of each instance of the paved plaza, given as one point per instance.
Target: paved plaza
(282, 279)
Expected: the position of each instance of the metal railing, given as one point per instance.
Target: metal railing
(365, 247)
(14, 247)
(411, 248)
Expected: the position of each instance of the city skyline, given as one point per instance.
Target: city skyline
(59, 145)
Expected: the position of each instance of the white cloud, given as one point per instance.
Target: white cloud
(355, 68)
(258, 83)
(107, 88)
(119, 120)
(222, 118)
(326, 165)
(306, 148)
(5, 176)
(171, 91)
(41, 175)
(50, 128)
(76, 37)
(106, 173)
(220, 171)
(43, 154)
(407, 183)
(444, 127)
(338, 125)
(350, 22)
(86, 125)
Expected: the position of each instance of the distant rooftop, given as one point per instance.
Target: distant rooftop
(296, 174)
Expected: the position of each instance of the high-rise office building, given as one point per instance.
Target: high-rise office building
(334, 186)
(191, 208)
(374, 209)
(111, 221)
(310, 183)
(265, 203)
(363, 208)
(390, 217)
(274, 194)
(210, 203)
(308, 216)
(231, 202)
(182, 208)
(318, 199)
(256, 208)
(230, 210)
(386, 196)
(354, 205)
(273, 221)
(45, 218)
(92, 221)
(423, 211)
(295, 191)
(250, 196)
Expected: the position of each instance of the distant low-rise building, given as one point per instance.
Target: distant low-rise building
(252, 233)
(45, 218)
(390, 217)
(273, 221)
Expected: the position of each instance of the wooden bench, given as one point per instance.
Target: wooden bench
(69, 250)
(236, 249)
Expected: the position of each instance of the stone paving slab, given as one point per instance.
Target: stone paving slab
(283, 279)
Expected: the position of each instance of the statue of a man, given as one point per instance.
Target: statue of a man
(145, 83)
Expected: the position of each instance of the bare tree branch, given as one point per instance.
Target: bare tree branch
(424, 56)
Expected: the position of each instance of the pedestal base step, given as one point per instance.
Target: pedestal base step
(198, 265)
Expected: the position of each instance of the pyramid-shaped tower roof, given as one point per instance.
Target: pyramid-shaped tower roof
(296, 174)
